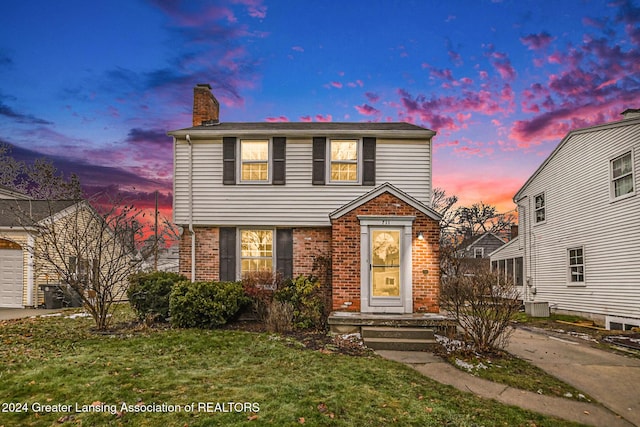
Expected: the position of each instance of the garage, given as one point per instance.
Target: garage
(10, 274)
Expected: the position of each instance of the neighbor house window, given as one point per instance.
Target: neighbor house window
(256, 251)
(344, 160)
(254, 155)
(576, 265)
(541, 211)
(478, 252)
(622, 175)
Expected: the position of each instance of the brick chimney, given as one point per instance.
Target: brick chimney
(631, 113)
(514, 232)
(206, 109)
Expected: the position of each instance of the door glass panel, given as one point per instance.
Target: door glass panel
(385, 265)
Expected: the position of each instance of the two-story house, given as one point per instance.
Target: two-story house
(281, 196)
(579, 219)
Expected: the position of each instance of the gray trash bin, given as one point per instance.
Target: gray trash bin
(53, 296)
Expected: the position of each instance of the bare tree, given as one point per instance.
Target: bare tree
(91, 251)
(483, 305)
(88, 251)
(39, 180)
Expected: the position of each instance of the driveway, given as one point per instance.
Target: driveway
(19, 313)
(609, 378)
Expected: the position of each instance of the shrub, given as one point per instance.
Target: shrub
(279, 317)
(260, 287)
(205, 304)
(483, 305)
(303, 294)
(148, 294)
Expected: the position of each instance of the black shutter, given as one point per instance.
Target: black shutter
(284, 252)
(229, 160)
(368, 161)
(319, 153)
(227, 252)
(279, 160)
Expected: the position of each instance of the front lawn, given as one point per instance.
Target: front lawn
(231, 378)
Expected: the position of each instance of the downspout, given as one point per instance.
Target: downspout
(193, 233)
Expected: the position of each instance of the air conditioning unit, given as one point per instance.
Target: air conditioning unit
(536, 309)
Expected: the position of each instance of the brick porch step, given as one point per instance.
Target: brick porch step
(398, 338)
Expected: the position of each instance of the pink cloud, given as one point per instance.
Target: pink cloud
(277, 119)
(537, 41)
(298, 48)
(372, 97)
(321, 118)
(367, 110)
(336, 85)
(306, 119)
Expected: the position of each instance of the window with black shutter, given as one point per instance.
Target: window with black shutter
(284, 252)
(227, 251)
(279, 160)
(368, 161)
(229, 160)
(319, 154)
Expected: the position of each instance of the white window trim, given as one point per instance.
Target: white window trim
(612, 188)
(584, 267)
(481, 252)
(535, 210)
(359, 165)
(239, 258)
(269, 161)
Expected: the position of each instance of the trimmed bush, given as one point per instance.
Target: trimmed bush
(303, 294)
(148, 294)
(205, 305)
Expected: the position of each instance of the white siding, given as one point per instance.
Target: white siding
(581, 213)
(404, 163)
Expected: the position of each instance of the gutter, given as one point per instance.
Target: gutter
(193, 234)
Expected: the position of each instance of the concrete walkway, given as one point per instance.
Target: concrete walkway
(610, 379)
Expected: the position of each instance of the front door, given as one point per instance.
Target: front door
(385, 280)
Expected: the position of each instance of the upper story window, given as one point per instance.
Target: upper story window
(576, 265)
(541, 208)
(344, 160)
(622, 175)
(478, 252)
(254, 155)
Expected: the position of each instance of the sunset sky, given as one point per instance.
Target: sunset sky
(95, 85)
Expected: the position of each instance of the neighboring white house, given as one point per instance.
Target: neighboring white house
(579, 226)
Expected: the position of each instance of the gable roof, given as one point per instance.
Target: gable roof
(397, 129)
(476, 240)
(505, 247)
(13, 211)
(10, 193)
(613, 125)
(386, 188)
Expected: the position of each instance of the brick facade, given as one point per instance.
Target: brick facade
(346, 254)
(340, 244)
(309, 246)
(207, 257)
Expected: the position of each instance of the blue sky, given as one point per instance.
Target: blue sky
(96, 85)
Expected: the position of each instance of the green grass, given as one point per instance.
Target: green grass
(59, 361)
(509, 370)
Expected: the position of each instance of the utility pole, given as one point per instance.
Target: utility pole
(155, 250)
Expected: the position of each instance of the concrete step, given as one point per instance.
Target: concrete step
(398, 338)
(398, 333)
(400, 344)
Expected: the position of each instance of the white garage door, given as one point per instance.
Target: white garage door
(10, 278)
